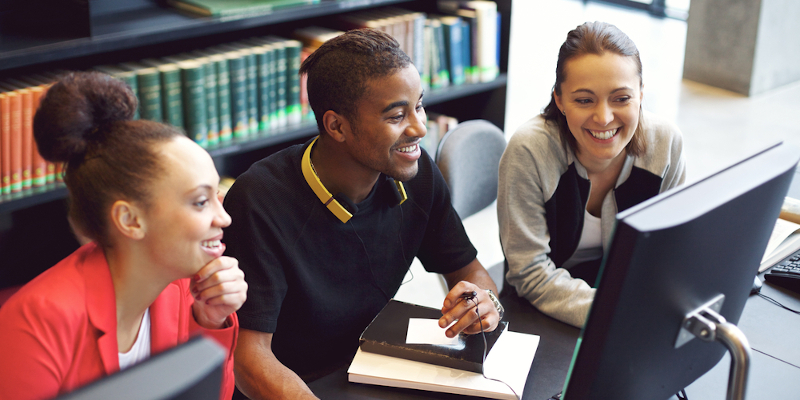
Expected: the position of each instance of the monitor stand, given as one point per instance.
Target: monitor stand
(706, 323)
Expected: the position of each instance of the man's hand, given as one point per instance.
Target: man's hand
(219, 289)
(465, 310)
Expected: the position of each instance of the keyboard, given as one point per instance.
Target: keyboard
(786, 273)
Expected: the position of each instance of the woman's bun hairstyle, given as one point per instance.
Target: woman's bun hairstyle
(85, 121)
(78, 109)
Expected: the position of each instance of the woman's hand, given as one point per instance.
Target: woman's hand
(219, 289)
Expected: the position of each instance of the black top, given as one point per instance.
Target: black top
(316, 282)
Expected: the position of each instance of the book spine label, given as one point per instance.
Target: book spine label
(5, 144)
(282, 82)
(262, 59)
(240, 122)
(224, 99)
(252, 93)
(194, 102)
(150, 96)
(172, 97)
(294, 113)
(27, 138)
(39, 163)
(16, 142)
(212, 104)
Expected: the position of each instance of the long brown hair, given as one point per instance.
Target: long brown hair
(594, 38)
(85, 121)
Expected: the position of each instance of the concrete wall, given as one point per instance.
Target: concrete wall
(777, 56)
(746, 46)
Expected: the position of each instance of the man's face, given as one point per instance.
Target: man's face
(389, 124)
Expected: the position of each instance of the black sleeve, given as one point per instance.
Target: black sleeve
(446, 247)
(252, 239)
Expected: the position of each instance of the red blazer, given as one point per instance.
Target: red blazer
(59, 332)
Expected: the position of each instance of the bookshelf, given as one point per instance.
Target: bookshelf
(34, 234)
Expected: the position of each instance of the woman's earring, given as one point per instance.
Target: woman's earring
(564, 113)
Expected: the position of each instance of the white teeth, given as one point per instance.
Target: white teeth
(211, 243)
(603, 134)
(407, 149)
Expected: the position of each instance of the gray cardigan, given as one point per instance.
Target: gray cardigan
(541, 199)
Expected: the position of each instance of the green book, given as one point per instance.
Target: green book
(235, 8)
(272, 56)
(279, 53)
(273, 49)
(171, 95)
(440, 76)
(223, 85)
(148, 80)
(212, 103)
(237, 67)
(294, 111)
(224, 97)
(129, 77)
(251, 65)
(263, 55)
(193, 87)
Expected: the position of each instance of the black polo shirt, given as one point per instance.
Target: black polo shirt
(316, 282)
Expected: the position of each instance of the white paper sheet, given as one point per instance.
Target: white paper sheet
(427, 331)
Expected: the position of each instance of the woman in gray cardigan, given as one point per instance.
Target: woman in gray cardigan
(566, 173)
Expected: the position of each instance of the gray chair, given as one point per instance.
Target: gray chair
(469, 158)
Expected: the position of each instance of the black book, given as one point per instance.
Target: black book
(386, 335)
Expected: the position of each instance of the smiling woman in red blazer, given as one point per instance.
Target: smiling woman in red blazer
(154, 273)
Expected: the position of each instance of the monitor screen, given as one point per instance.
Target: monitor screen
(669, 256)
(190, 371)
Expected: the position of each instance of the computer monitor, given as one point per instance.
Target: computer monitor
(190, 371)
(669, 256)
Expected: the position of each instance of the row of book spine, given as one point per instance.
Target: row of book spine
(461, 47)
(252, 88)
(221, 94)
(22, 168)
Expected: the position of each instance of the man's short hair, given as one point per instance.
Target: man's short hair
(338, 72)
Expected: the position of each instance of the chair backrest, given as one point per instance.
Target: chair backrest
(469, 158)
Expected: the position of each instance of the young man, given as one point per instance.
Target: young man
(321, 266)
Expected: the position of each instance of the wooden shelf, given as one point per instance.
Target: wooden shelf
(271, 138)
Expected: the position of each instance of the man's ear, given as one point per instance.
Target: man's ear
(336, 125)
(128, 219)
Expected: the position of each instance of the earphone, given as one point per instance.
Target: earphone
(340, 205)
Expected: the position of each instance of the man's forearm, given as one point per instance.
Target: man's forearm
(272, 380)
(474, 273)
(259, 374)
